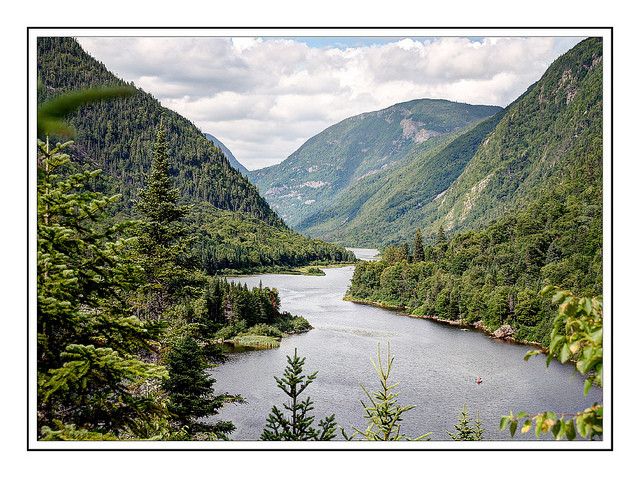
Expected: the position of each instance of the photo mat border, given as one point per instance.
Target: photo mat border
(509, 445)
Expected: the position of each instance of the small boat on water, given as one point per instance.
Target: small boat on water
(478, 380)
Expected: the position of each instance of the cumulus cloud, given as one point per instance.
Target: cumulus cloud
(263, 97)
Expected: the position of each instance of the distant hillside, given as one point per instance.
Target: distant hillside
(348, 152)
(117, 136)
(229, 155)
(386, 207)
(549, 140)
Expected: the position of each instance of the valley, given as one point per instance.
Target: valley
(174, 283)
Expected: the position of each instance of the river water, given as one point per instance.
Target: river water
(435, 364)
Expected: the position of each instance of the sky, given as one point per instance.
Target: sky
(263, 97)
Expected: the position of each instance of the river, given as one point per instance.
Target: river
(436, 365)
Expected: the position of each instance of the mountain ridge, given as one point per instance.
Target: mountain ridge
(309, 179)
(228, 154)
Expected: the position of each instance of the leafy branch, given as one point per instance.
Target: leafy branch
(576, 337)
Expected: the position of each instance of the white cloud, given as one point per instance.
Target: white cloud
(263, 97)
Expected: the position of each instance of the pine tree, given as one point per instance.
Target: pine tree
(418, 247)
(464, 431)
(190, 390)
(88, 341)
(298, 425)
(162, 234)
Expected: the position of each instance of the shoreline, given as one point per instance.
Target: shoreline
(284, 270)
(479, 326)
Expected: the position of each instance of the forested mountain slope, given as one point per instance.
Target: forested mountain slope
(550, 139)
(386, 207)
(227, 152)
(548, 136)
(537, 180)
(117, 136)
(354, 149)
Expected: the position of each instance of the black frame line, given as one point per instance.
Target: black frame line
(360, 28)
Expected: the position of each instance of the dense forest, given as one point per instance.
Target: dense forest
(548, 148)
(127, 323)
(117, 137)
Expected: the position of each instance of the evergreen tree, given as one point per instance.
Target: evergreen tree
(464, 430)
(404, 252)
(161, 235)
(299, 424)
(88, 341)
(383, 414)
(190, 390)
(418, 247)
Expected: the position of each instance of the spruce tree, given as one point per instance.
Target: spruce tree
(464, 430)
(162, 234)
(298, 423)
(418, 247)
(404, 252)
(383, 413)
(190, 390)
(89, 343)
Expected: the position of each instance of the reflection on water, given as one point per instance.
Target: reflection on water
(436, 365)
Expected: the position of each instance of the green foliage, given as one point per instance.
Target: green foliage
(247, 340)
(89, 368)
(161, 234)
(295, 423)
(492, 274)
(464, 430)
(383, 414)
(52, 113)
(224, 241)
(67, 432)
(576, 337)
(190, 390)
(95, 386)
(418, 247)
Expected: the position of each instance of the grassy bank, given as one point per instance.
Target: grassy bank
(309, 270)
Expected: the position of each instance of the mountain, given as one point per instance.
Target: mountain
(344, 154)
(229, 155)
(386, 207)
(549, 139)
(525, 212)
(117, 136)
(548, 134)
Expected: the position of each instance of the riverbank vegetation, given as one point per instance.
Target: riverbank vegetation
(492, 277)
(576, 337)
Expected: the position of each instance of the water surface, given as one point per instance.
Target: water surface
(435, 364)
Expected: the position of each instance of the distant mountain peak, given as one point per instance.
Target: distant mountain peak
(327, 164)
(235, 164)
